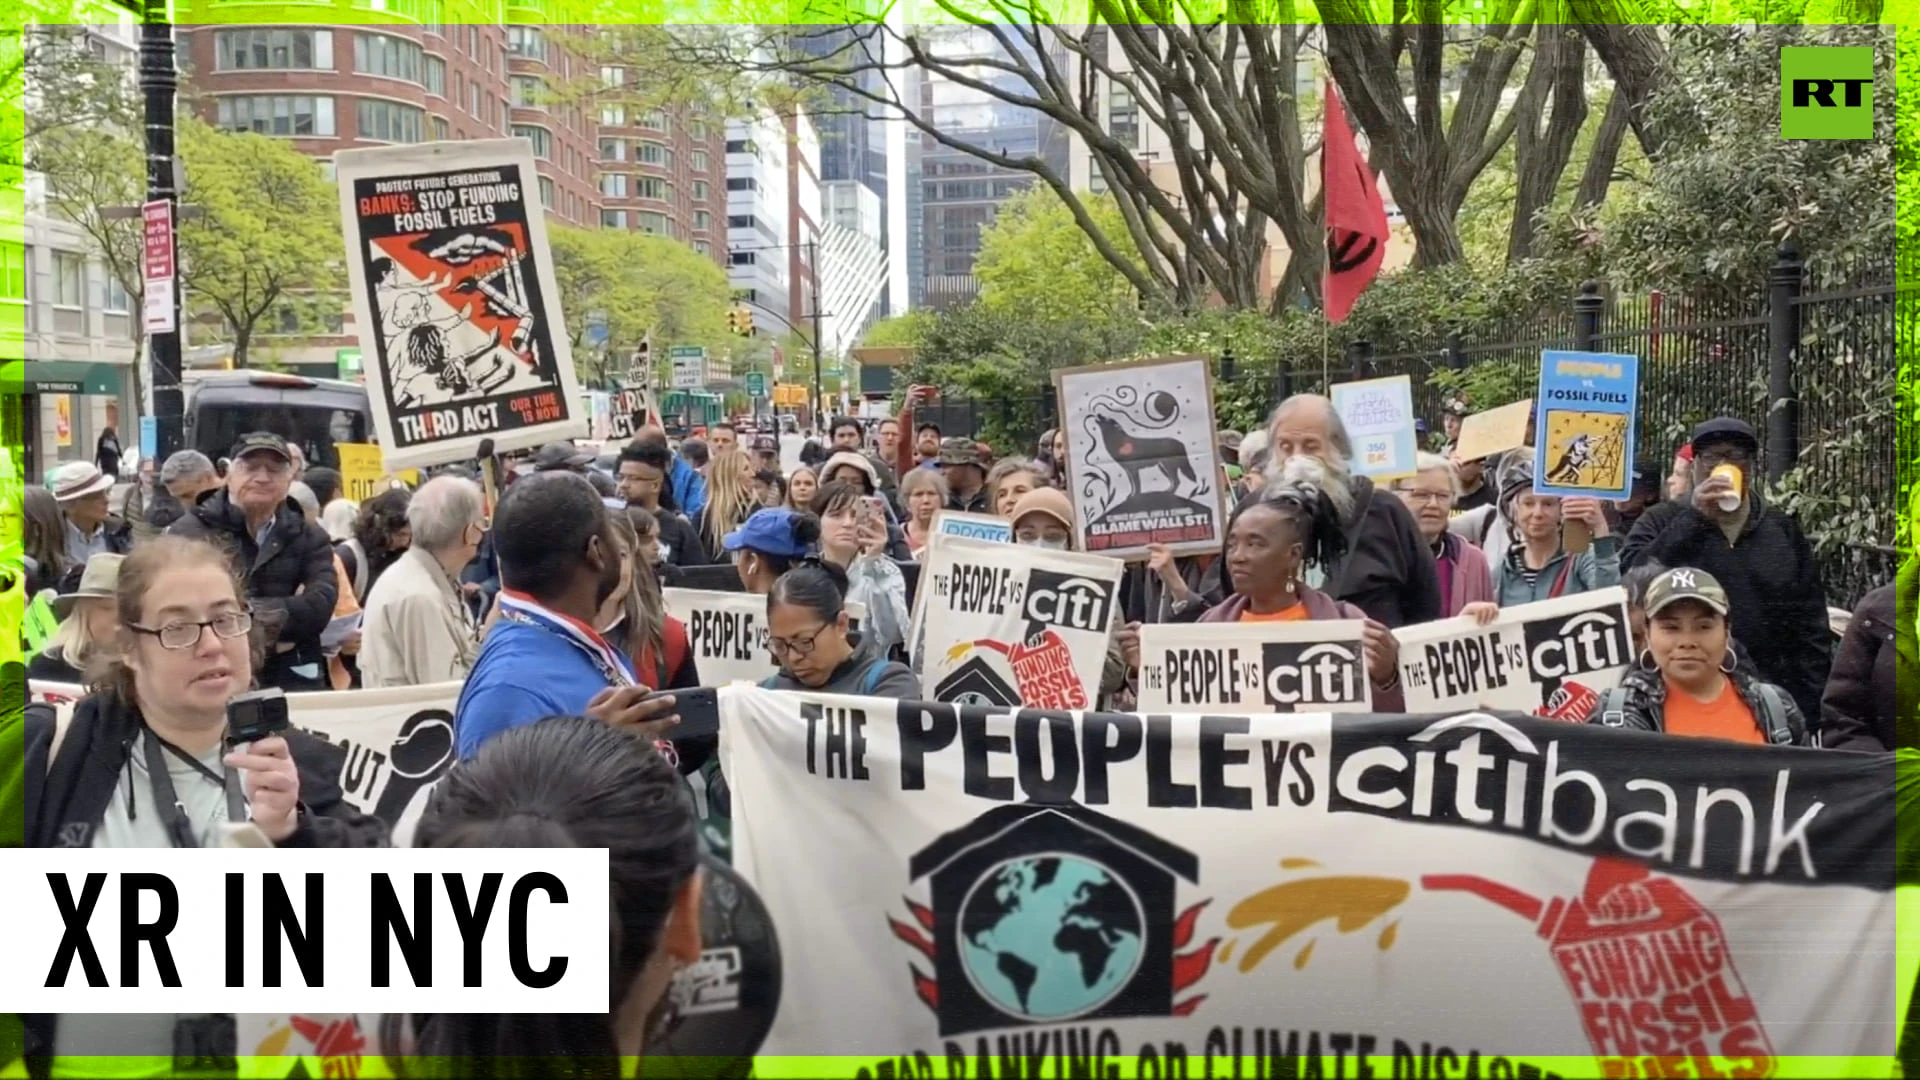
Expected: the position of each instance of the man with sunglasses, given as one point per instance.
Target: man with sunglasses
(419, 629)
(285, 560)
(1757, 552)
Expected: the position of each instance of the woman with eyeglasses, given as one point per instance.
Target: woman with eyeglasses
(1430, 495)
(144, 762)
(808, 636)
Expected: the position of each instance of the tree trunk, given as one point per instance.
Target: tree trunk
(242, 339)
(1606, 153)
(1542, 150)
(1635, 57)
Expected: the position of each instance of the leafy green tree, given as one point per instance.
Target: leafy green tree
(50, 80)
(264, 253)
(640, 285)
(1036, 259)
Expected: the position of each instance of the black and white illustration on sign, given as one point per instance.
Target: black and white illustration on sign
(1142, 466)
(455, 298)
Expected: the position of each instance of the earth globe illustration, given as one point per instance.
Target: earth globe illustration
(1049, 937)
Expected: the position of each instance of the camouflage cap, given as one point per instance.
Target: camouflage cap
(1685, 583)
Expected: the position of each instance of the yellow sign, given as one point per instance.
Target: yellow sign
(62, 420)
(363, 471)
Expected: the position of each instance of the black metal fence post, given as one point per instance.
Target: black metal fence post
(1228, 369)
(1783, 342)
(1282, 384)
(1456, 352)
(1587, 307)
(1359, 356)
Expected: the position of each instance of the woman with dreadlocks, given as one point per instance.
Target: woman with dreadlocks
(1271, 541)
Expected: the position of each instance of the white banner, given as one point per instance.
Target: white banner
(385, 748)
(1255, 667)
(1003, 624)
(1550, 658)
(1098, 890)
(455, 300)
(727, 632)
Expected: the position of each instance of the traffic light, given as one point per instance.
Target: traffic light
(740, 321)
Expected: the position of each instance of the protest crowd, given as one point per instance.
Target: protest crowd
(547, 598)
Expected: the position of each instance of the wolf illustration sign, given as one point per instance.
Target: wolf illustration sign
(1142, 466)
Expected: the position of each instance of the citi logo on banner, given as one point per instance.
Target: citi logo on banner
(1826, 92)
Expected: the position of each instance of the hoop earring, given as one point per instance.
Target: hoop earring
(1729, 663)
(1646, 662)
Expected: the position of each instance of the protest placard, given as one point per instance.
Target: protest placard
(1550, 658)
(1586, 424)
(972, 526)
(1143, 466)
(1125, 894)
(455, 300)
(1378, 414)
(1255, 667)
(1495, 431)
(727, 632)
(1003, 623)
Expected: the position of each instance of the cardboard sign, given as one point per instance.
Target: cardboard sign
(1495, 431)
(1587, 423)
(1378, 414)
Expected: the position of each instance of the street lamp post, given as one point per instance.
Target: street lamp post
(813, 270)
(159, 79)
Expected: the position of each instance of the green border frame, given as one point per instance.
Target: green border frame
(1904, 15)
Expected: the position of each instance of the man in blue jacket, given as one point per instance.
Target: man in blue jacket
(684, 482)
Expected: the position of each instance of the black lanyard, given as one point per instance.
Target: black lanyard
(179, 829)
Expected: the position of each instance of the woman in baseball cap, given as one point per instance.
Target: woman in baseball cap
(1689, 681)
(769, 543)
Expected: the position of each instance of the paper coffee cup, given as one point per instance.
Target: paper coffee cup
(1730, 501)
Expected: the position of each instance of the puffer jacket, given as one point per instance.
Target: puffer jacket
(1646, 703)
(1868, 705)
(291, 584)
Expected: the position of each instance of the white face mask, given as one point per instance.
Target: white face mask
(1046, 544)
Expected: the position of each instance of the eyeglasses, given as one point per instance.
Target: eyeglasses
(800, 646)
(1418, 496)
(185, 635)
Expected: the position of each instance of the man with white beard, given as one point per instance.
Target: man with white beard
(1388, 571)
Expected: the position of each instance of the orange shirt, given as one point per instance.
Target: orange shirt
(1296, 613)
(1725, 717)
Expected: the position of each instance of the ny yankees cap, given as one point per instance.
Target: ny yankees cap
(1685, 583)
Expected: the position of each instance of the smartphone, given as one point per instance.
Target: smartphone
(699, 710)
(255, 715)
(872, 508)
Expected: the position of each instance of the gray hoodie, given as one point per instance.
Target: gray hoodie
(867, 673)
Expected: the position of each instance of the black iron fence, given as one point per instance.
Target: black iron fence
(1811, 363)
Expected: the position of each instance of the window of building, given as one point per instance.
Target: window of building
(526, 91)
(1097, 183)
(437, 125)
(527, 41)
(702, 219)
(652, 187)
(613, 76)
(69, 279)
(391, 121)
(13, 271)
(117, 300)
(386, 56)
(614, 185)
(702, 247)
(613, 150)
(739, 221)
(653, 153)
(546, 192)
(742, 258)
(473, 41)
(655, 119)
(435, 70)
(273, 50)
(697, 130)
(540, 137)
(742, 183)
(277, 114)
(1123, 116)
(655, 223)
(741, 146)
(476, 106)
(697, 161)
(613, 219)
(702, 191)
(613, 115)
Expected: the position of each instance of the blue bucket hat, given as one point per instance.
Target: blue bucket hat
(768, 532)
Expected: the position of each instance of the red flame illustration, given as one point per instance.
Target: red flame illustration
(338, 1042)
(1190, 967)
(927, 990)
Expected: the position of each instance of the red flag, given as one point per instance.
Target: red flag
(1356, 218)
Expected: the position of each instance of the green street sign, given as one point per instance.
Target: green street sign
(756, 384)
